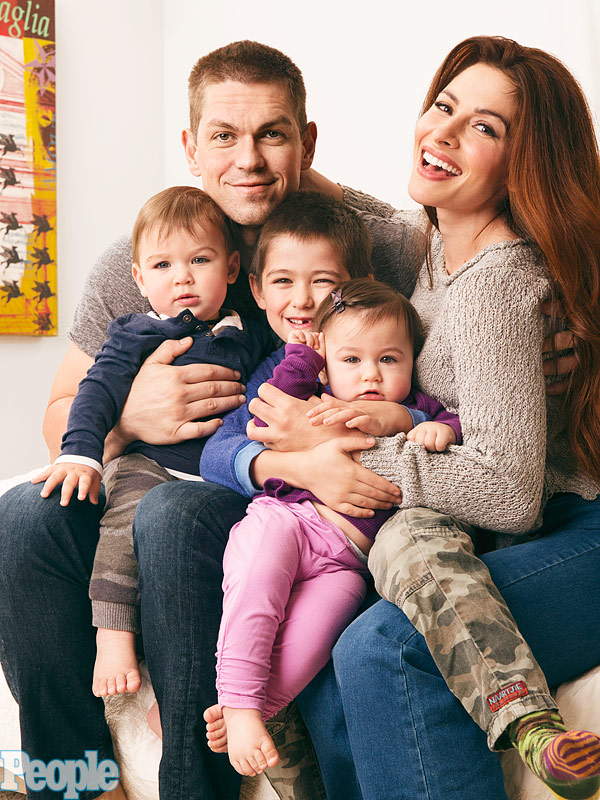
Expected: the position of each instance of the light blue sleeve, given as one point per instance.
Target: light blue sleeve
(228, 453)
(417, 416)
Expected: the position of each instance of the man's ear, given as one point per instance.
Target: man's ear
(191, 151)
(233, 267)
(309, 141)
(138, 278)
(256, 292)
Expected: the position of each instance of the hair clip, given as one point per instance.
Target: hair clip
(338, 303)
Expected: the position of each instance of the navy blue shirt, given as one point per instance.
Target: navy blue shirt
(131, 339)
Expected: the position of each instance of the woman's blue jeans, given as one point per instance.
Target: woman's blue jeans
(47, 643)
(408, 736)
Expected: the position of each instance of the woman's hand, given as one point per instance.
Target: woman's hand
(332, 472)
(377, 418)
(314, 181)
(165, 402)
(289, 428)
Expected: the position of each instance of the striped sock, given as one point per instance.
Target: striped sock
(568, 762)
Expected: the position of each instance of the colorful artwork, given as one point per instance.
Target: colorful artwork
(27, 168)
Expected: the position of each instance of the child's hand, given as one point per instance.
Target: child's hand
(434, 436)
(310, 339)
(376, 418)
(87, 479)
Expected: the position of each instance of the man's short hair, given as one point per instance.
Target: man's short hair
(246, 62)
(180, 208)
(311, 215)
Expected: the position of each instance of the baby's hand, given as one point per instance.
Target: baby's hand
(87, 479)
(434, 436)
(310, 339)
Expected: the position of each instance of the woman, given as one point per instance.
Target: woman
(507, 167)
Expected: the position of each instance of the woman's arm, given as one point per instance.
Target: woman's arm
(495, 479)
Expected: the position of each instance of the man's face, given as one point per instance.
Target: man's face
(248, 149)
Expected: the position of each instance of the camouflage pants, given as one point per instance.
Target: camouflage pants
(114, 582)
(423, 562)
(297, 775)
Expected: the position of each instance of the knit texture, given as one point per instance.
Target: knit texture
(482, 359)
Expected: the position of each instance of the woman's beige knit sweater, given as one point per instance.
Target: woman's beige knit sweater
(483, 360)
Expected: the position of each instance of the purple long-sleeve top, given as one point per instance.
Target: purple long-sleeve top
(297, 374)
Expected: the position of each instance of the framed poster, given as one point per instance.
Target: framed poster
(27, 168)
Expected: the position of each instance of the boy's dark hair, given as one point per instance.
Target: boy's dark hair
(311, 215)
(180, 208)
(378, 301)
(246, 62)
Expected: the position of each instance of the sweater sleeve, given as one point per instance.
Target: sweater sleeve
(228, 453)
(298, 373)
(495, 479)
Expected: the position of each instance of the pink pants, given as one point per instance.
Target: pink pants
(292, 583)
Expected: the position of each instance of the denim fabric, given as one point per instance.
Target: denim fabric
(179, 533)
(48, 643)
(409, 736)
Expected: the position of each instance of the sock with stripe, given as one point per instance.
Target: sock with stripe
(568, 762)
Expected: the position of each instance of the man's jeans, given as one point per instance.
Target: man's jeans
(47, 643)
(410, 737)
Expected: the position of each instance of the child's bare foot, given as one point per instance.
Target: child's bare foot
(216, 730)
(116, 669)
(251, 749)
(153, 718)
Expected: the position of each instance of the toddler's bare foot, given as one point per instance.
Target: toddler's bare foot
(154, 720)
(251, 749)
(116, 669)
(216, 730)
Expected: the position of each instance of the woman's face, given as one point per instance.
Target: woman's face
(461, 144)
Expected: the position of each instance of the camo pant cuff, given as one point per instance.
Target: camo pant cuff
(297, 775)
(497, 737)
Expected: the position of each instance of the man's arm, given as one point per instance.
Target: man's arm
(163, 404)
(64, 388)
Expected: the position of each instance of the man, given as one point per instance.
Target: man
(249, 141)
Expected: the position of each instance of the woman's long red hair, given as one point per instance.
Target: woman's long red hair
(553, 197)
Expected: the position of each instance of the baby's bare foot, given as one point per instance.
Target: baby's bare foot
(116, 669)
(216, 730)
(251, 749)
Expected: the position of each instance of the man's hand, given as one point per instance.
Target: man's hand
(374, 417)
(289, 428)
(564, 365)
(434, 436)
(86, 479)
(165, 402)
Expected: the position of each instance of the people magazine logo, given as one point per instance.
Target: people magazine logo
(504, 696)
(70, 777)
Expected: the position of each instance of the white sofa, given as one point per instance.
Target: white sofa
(138, 749)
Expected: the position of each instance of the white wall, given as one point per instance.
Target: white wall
(110, 109)
(366, 67)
